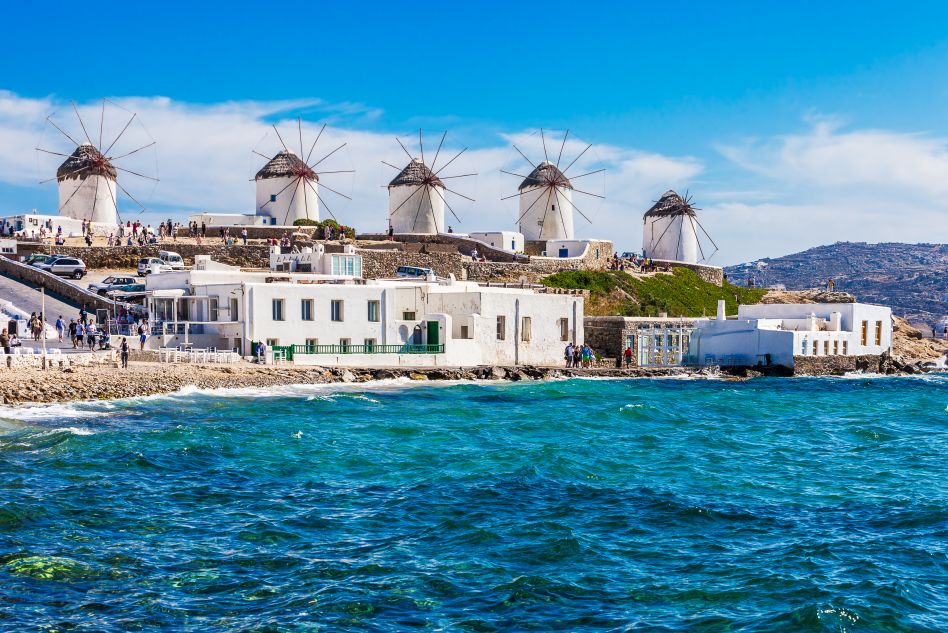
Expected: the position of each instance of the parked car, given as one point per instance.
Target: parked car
(68, 266)
(149, 265)
(113, 282)
(123, 292)
(413, 271)
(172, 259)
(37, 258)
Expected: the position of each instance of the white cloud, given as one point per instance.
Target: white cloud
(205, 161)
(829, 184)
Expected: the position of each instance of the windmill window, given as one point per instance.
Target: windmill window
(553, 207)
(273, 197)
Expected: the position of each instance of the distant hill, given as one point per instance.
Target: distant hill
(911, 278)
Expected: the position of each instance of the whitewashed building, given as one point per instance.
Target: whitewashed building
(509, 241)
(546, 211)
(315, 308)
(775, 334)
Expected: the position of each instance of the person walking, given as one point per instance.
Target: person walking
(568, 355)
(5, 341)
(60, 327)
(90, 336)
(72, 332)
(243, 235)
(628, 356)
(123, 350)
(142, 335)
(577, 356)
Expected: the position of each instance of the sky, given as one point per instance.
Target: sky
(791, 125)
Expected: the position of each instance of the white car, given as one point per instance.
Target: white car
(152, 265)
(172, 259)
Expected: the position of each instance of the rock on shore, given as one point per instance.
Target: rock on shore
(22, 385)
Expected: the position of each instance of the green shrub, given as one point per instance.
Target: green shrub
(682, 293)
(305, 222)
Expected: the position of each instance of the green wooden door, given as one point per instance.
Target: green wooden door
(433, 333)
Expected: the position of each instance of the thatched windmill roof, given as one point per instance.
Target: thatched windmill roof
(286, 164)
(670, 204)
(86, 161)
(416, 173)
(545, 174)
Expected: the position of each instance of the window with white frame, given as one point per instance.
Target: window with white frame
(526, 329)
(347, 265)
(278, 313)
(564, 329)
(212, 309)
(501, 328)
(374, 311)
(233, 308)
(306, 309)
(335, 310)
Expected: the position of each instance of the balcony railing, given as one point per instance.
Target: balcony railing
(291, 350)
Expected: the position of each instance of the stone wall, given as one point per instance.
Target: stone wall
(69, 291)
(607, 334)
(711, 274)
(839, 365)
(251, 256)
(457, 243)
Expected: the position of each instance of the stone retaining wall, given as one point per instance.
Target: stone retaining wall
(839, 365)
(711, 274)
(70, 291)
(251, 256)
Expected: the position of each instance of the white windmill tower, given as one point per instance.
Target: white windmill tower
(670, 230)
(288, 186)
(417, 196)
(88, 178)
(546, 196)
(87, 186)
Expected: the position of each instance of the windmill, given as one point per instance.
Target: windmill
(546, 195)
(288, 185)
(417, 196)
(670, 230)
(89, 177)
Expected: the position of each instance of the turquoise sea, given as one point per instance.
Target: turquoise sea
(574, 505)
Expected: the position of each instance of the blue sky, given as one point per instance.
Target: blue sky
(767, 113)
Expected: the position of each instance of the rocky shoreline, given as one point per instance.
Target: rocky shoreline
(24, 385)
(105, 382)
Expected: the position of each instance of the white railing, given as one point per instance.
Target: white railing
(197, 355)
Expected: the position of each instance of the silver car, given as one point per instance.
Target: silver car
(66, 266)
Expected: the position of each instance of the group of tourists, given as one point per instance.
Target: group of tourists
(579, 356)
(632, 263)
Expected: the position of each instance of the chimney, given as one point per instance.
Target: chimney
(721, 315)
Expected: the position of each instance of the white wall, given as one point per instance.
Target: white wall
(574, 248)
(93, 191)
(420, 209)
(305, 203)
(671, 238)
(509, 241)
(229, 219)
(550, 217)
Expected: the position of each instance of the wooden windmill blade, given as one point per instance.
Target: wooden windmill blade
(546, 189)
(418, 195)
(90, 177)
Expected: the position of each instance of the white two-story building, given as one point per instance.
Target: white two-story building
(315, 308)
(774, 334)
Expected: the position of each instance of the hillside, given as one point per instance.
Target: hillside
(682, 293)
(911, 278)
